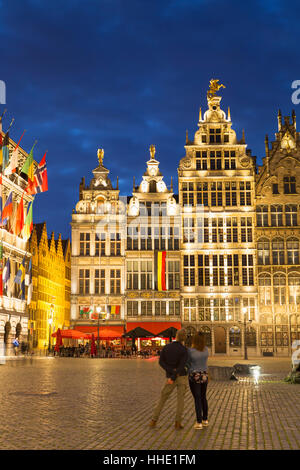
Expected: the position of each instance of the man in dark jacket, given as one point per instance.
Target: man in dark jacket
(173, 359)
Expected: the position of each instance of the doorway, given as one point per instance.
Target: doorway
(220, 340)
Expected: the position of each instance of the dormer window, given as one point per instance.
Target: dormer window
(204, 138)
(214, 136)
(226, 138)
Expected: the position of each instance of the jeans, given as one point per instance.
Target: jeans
(199, 394)
(181, 384)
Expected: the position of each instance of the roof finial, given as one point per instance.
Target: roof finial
(100, 156)
(152, 151)
(294, 118)
(117, 182)
(243, 136)
(200, 114)
(171, 183)
(228, 114)
(133, 183)
(186, 137)
(279, 117)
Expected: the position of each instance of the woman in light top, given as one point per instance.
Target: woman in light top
(198, 378)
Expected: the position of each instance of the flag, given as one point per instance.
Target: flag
(160, 270)
(85, 311)
(20, 278)
(19, 217)
(114, 309)
(6, 274)
(5, 151)
(12, 166)
(1, 144)
(7, 209)
(30, 285)
(41, 177)
(27, 172)
(0, 199)
(28, 224)
(1, 267)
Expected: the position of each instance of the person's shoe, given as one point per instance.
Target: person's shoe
(178, 425)
(152, 423)
(205, 423)
(198, 426)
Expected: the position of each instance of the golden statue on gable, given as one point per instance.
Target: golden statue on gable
(152, 151)
(214, 86)
(100, 156)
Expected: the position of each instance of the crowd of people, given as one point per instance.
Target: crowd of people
(108, 351)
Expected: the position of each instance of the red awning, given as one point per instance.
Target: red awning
(105, 332)
(154, 327)
(71, 334)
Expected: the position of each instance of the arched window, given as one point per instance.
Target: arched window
(18, 330)
(264, 282)
(250, 336)
(276, 216)
(263, 251)
(292, 246)
(279, 286)
(294, 289)
(207, 332)
(291, 215)
(262, 216)
(7, 329)
(235, 336)
(278, 251)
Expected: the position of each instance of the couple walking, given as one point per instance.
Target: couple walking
(185, 366)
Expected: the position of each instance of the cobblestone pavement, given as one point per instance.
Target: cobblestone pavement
(66, 403)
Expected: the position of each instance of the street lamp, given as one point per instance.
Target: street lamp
(98, 310)
(50, 321)
(244, 310)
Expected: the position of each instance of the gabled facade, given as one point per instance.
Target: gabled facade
(218, 257)
(98, 250)
(49, 308)
(278, 237)
(222, 257)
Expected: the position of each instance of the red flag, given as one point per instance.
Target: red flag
(20, 217)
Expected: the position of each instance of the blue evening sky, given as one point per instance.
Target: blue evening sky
(121, 75)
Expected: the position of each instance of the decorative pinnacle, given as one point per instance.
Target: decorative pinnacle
(152, 151)
(100, 154)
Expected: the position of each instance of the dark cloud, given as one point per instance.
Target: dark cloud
(122, 75)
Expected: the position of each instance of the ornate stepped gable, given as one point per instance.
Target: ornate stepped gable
(282, 158)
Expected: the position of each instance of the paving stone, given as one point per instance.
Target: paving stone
(70, 403)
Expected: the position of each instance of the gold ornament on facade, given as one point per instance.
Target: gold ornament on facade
(214, 86)
(100, 156)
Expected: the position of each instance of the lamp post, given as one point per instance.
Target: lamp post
(98, 309)
(50, 321)
(245, 331)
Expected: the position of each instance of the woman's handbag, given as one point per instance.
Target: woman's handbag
(198, 377)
